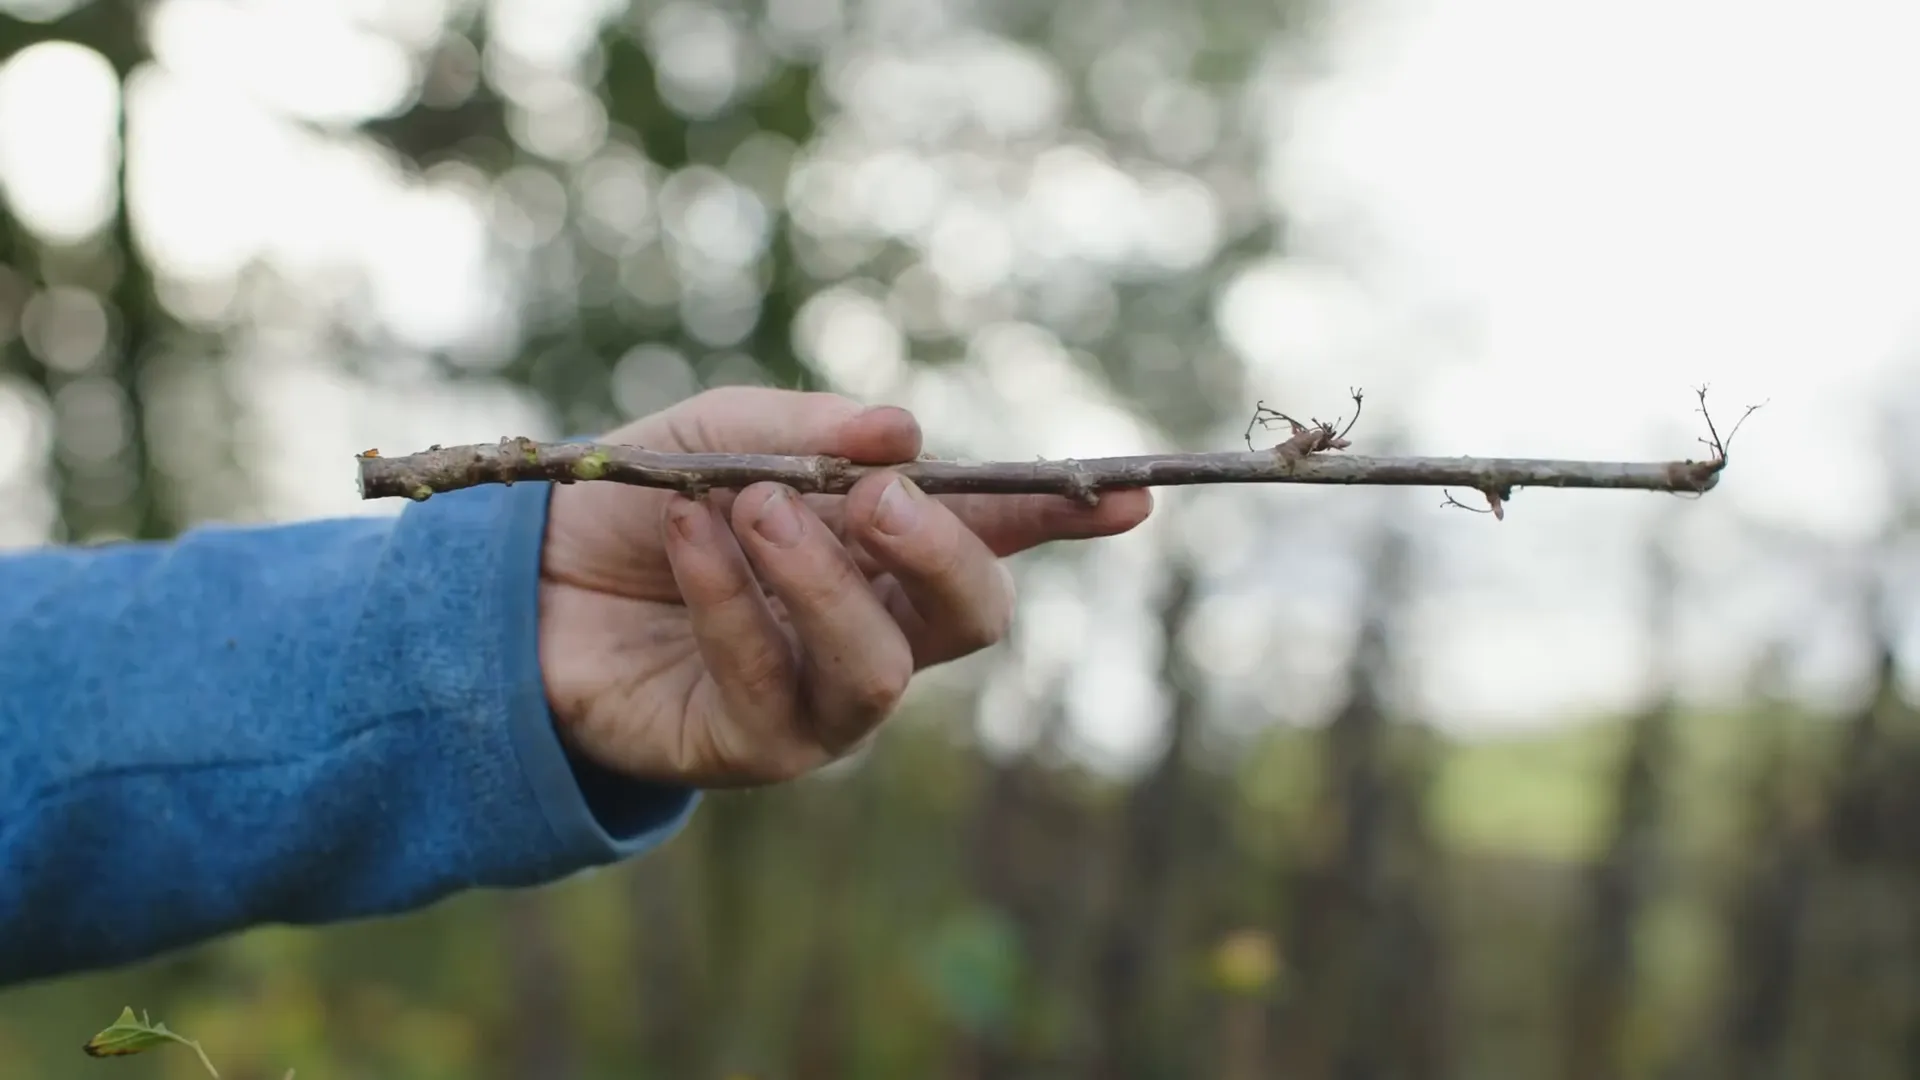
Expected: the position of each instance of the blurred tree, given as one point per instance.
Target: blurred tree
(672, 985)
(1861, 979)
(105, 479)
(1603, 970)
(542, 1036)
(733, 845)
(1768, 908)
(1144, 966)
(1368, 998)
(1033, 859)
(825, 1026)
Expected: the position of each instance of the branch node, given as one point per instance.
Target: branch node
(1306, 439)
(1082, 485)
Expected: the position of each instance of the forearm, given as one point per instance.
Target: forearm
(298, 724)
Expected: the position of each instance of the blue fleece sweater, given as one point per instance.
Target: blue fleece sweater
(296, 724)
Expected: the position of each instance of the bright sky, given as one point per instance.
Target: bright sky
(1604, 204)
(1526, 228)
(1619, 200)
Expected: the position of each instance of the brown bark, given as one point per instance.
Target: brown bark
(442, 469)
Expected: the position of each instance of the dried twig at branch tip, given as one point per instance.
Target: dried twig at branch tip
(1714, 442)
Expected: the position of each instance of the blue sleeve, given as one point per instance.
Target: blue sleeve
(296, 724)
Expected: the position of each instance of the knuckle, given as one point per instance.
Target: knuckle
(875, 696)
(879, 688)
(720, 588)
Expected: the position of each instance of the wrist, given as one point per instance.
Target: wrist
(596, 815)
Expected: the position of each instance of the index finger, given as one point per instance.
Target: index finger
(1014, 523)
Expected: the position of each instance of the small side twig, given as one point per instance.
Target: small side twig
(1496, 503)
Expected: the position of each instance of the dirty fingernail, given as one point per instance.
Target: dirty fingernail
(690, 521)
(779, 520)
(899, 508)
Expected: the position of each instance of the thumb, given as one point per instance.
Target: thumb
(765, 420)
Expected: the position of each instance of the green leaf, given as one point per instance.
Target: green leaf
(128, 1035)
(132, 1034)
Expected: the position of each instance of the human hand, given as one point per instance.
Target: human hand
(751, 637)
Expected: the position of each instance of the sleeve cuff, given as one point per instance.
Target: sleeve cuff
(598, 816)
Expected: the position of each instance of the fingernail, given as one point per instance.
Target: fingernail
(899, 509)
(875, 410)
(779, 520)
(690, 521)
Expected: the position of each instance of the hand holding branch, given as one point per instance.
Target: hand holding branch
(746, 592)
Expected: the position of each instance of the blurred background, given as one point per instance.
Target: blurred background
(1291, 782)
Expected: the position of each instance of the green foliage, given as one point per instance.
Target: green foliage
(132, 1034)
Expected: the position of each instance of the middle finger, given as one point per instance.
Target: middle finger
(856, 658)
(955, 596)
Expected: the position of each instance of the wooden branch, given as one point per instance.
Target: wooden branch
(441, 469)
(1303, 458)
